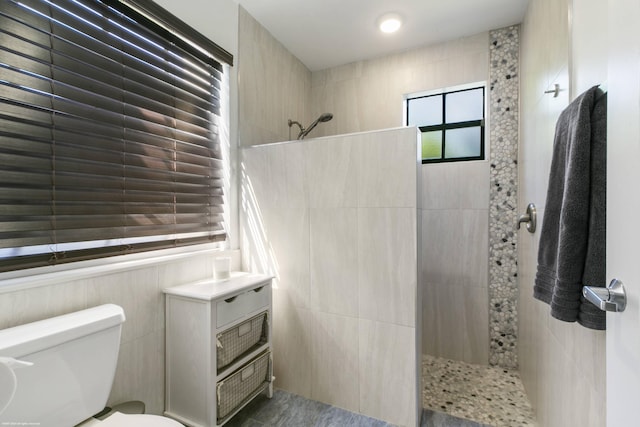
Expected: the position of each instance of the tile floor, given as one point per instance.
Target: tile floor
(290, 410)
(456, 394)
(490, 395)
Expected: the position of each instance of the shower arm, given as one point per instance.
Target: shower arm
(293, 122)
(325, 117)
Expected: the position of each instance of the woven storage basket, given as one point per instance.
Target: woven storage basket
(242, 385)
(240, 339)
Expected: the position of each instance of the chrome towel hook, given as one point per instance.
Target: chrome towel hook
(529, 218)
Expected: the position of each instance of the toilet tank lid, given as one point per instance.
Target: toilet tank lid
(36, 336)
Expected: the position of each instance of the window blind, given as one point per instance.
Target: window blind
(109, 139)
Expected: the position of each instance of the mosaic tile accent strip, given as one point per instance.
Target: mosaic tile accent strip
(503, 129)
(485, 394)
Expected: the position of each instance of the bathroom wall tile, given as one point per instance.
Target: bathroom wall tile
(332, 378)
(287, 183)
(387, 176)
(442, 242)
(332, 172)
(183, 271)
(474, 248)
(292, 346)
(137, 292)
(254, 177)
(340, 99)
(474, 185)
(444, 321)
(387, 372)
(574, 341)
(476, 326)
(441, 184)
(288, 237)
(373, 97)
(387, 270)
(274, 85)
(430, 319)
(140, 373)
(40, 303)
(334, 260)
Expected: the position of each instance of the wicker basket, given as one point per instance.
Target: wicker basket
(241, 386)
(241, 339)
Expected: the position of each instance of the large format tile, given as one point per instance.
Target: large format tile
(137, 292)
(474, 248)
(288, 410)
(287, 178)
(140, 373)
(444, 320)
(331, 166)
(388, 167)
(292, 345)
(333, 378)
(387, 264)
(40, 303)
(476, 326)
(334, 260)
(442, 242)
(287, 233)
(474, 185)
(440, 185)
(388, 372)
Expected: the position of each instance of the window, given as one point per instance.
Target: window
(109, 117)
(452, 124)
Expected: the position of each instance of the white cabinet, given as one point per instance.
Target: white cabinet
(218, 348)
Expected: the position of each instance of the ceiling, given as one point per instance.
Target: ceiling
(327, 33)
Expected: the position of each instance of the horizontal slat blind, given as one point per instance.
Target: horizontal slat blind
(108, 136)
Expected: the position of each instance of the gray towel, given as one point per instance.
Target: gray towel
(573, 236)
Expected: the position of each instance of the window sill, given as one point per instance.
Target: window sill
(58, 274)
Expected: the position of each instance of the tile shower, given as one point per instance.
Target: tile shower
(363, 97)
(335, 221)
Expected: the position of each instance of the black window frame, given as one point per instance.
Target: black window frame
(444, 126)
(172, 180)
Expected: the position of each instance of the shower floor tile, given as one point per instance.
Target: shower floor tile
(489, 395)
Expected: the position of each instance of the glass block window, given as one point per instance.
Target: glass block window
(452, 124)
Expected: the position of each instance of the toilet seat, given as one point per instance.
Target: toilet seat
(118, 419)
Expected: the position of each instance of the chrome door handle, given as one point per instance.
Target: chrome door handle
(529, 218)
(611, 298)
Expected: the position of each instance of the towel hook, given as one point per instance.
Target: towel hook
(555, 91)
(529, 218)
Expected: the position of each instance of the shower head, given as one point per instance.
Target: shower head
(325, 117)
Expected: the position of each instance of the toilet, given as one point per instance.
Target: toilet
(59, 371)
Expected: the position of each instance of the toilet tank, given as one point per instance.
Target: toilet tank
(74, 360)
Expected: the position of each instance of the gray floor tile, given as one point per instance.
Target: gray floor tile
(438, 419)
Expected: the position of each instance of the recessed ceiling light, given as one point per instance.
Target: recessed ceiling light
(389, 23)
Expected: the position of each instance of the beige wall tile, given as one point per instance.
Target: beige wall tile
(387, 264)
(387, 176)
(137, 292)
(334, 260)
(288, 237)
(333, 378)
(274, 86)
(332, 170)
(560, 363)
(387, 372)
(292, 345)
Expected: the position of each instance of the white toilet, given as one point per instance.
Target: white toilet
(74, 359)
